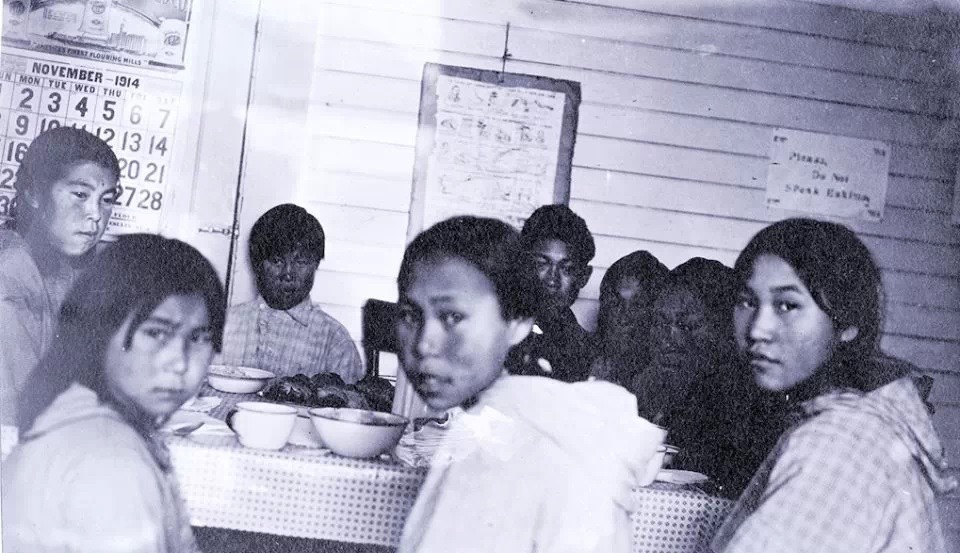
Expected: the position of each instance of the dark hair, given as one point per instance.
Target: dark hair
(128, 279)
(841, 275)
(640, 264)
(559, 222)
(283, 229)
(490, 245)
(48, 159)
(716, 286)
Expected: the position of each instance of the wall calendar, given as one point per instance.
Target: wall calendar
(135, 114)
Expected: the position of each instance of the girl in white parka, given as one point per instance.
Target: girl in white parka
(532, 464)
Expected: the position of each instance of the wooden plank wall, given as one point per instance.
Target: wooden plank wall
(678, 106)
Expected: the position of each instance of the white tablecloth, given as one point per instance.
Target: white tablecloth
(312, 493)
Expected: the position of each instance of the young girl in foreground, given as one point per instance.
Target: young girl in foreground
(533, 464)
(859, 470)
(91, 474)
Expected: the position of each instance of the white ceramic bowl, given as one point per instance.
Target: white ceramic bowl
(357, 433)
(238, 380)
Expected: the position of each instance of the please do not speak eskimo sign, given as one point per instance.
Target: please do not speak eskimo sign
(828, 175)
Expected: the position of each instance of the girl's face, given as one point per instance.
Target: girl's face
(453, 338)
(166, 360)
(780, 329)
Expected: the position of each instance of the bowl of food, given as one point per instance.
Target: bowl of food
(238, 380)
(357, 432)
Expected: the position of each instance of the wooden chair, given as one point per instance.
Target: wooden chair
(379, 332)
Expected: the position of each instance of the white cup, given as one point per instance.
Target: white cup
(261, 425)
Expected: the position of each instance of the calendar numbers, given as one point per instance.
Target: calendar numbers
(21, 125)
(8, 176)
(158, 145)
(107, 134)
(5, 203)
(52, 103)
(154, 173)
(139, 198)
(131, 141)
(81, 107)
(107, 109)
(47, 123)
(25, 98)
(14, 150)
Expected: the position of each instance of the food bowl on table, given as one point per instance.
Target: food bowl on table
(238, 380)
(357, 432)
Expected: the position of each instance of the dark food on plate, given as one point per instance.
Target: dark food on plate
(326, 379)
(289, 390)
(328, 390)
(379, 391)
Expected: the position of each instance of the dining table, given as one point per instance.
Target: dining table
(310, 492)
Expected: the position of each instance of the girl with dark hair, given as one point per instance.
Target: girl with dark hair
(66, 185)
(136, 335)
(860, 468)
(576, 448)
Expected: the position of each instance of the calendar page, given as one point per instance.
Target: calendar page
(134, 112)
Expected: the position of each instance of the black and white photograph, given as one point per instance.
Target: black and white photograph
(463, 276)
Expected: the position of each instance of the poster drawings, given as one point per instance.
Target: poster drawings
(136, 33)
(828, 175)
(491, 144)
(134, 114)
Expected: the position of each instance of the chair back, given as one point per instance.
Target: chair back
(379, 332)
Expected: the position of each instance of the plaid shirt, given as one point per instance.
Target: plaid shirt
(303, 339)
(857, 474)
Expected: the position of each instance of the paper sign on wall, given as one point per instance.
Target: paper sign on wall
(491, 143)
(828, 175)
(496, 150)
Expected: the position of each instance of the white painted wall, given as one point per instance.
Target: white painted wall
(679, 99)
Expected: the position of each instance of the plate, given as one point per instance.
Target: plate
(681, 477)
(243, 373)
(203, 404)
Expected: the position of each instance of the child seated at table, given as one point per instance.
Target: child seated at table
(532, 464)
(136, 335)
(862, 466)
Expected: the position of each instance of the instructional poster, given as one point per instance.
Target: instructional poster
(496, 150)
(828, 174)
(492, 144)
(136, 114)
(137, 33)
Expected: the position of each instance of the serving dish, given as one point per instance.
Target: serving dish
(357, 432)
(233, 379)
